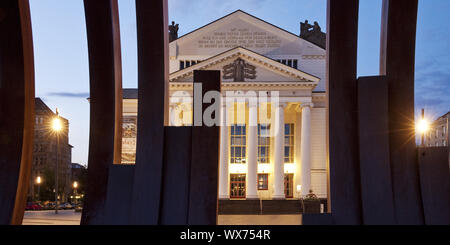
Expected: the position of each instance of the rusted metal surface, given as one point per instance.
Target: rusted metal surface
(435, 184)
(204, 180)
(376, 185)
(343, 115)
(16, 108)
(177, 172)
(102, 22)
(152, 32)
(118, 199)
(398, 45)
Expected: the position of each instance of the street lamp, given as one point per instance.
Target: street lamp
(38, 182)
(57, 128)
(75, 186)
(422, 127)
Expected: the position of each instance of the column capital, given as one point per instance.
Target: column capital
(281, 104)
(174, 105)
(185, 107)
(308, 104)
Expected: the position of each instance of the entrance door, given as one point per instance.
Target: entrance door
(289, 185)
(237, 186)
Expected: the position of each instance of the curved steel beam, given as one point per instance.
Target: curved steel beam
(152, 29)
(16, 108)
(102, 22)
(397, 62)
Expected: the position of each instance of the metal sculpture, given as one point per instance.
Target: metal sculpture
(16, 108)
(373, 161)
(153, 73)
(343, 114)
(102, 21)
(361, 173)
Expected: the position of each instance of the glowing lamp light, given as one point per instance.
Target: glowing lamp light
(238, 168)
(56, 124)
(299, 188)
(289, 168)
(38, 180)
(75, 185)
(264, 168)
(423, 126)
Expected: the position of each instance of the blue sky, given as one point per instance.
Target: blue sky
(61, 59)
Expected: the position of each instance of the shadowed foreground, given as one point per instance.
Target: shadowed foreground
(69, 217)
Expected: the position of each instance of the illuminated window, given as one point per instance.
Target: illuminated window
(264, 143)
(238, 144)
(263, 182)
(237, 186)
(289, 143)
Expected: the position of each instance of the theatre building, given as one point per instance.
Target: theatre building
(268, 150)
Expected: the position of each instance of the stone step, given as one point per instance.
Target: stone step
(265, 207)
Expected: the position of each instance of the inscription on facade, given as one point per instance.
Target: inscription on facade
(129, 135)
(237, 37)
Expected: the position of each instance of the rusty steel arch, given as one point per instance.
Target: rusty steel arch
(16, 108)
(105, 69)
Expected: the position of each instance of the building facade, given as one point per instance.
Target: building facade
(438, 135)
(45, 152)
(273, 140)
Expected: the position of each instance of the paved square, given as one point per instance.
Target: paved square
(69, 217)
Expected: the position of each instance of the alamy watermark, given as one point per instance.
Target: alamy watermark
(243, 104)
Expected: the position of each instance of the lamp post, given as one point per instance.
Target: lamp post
(422, 127)
(299, 191)
(38, 182)
(75, 186)
(56, 127)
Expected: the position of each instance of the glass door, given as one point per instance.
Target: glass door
(289, 185)
(237, 186)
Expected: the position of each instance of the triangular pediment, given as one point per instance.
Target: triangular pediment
(240, 29)
(258, 68)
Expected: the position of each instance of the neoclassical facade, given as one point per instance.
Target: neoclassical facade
(273, 133)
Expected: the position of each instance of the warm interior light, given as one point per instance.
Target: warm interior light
(75, 184)
(289, 168)
(56, 124)
(238, 168)
(38, 180)
(264, 168)
(422, 126)
(299, 188)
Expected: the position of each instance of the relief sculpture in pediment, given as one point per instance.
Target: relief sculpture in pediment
(239, 70)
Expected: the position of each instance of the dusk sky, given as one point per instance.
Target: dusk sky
(61, 58)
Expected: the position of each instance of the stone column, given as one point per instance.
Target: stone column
(173, 115)
(306, 148)
(279, 152)
(252, 165)
(223, 177)
(186, 112)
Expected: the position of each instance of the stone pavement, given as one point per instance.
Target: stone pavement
(65, 217)
(69, 217)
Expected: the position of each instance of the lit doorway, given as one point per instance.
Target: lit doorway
(289, 185)
(237, 186)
